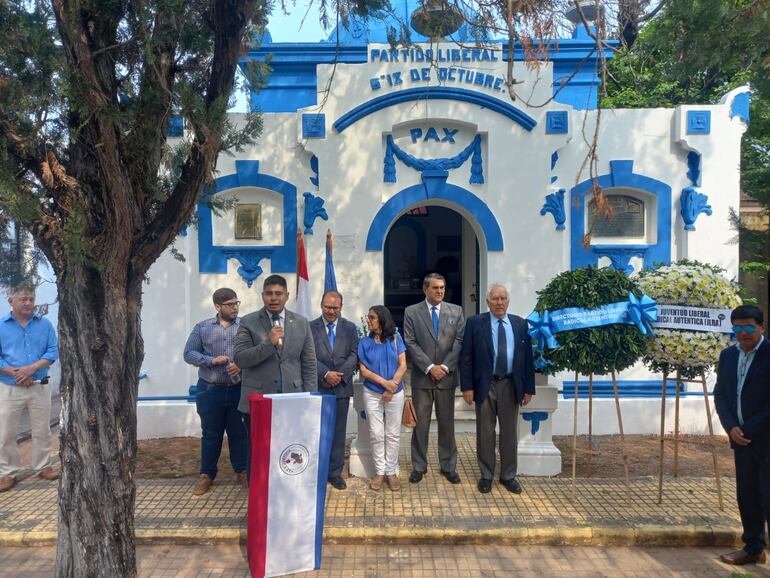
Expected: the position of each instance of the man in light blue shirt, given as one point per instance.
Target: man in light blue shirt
(28, 347)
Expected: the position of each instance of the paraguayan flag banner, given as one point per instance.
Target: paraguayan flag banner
(291, 437)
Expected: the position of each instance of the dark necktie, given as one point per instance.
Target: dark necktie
(331, 335)
(434, 317)
(501, 363)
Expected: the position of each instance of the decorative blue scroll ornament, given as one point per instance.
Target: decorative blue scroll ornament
(640, 312)
(443, 164)
(534, 417)
(314, 208)
(249, 269)
(692, 202)
(554, 204)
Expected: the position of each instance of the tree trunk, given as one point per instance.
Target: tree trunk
(100, 329)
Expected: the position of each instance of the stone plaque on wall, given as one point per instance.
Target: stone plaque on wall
(627, 218)
(248, 221)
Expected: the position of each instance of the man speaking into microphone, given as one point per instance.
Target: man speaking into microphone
(274, 348)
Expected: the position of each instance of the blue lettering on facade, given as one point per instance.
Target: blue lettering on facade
(415, 133)
(432, 135)
(449, 134)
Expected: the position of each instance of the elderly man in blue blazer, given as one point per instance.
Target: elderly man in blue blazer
(336, 345)
(742, 400)
(497, 372)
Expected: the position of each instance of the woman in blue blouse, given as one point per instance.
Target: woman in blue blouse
(382, 360)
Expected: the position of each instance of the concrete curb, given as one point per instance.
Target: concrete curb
(642, 535)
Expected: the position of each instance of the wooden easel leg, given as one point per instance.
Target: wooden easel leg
(620, 427)
(711, 442)
(676, 427)
(590, 420)
(662, 436)
(574, 437)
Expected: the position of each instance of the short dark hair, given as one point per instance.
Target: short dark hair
(429, 277)
(222, 295)
(748, 312)
(332, 292)
(387, 326)
(275, 280)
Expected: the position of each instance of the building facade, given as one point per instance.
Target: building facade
(418, 160)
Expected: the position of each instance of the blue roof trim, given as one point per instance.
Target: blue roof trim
(418, 195)
(740, 106)
(434, 93)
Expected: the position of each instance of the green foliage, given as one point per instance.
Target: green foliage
(597, 350)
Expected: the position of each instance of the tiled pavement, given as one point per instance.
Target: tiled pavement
(432, 511)
(416, 561)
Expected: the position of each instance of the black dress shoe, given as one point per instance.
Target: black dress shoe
(453, 477)
(338, 483)
(485, 485)
(415, 477)
(512, 485)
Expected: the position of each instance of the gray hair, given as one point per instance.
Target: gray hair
(20, 288)
(497, 286)
(429, 277)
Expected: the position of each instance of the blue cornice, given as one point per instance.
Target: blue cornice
(434, 93)
(309, 52)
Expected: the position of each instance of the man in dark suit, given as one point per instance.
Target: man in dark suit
(742, 400)
(274, 350)
(498, 373)
(433, 333)
(336, 345)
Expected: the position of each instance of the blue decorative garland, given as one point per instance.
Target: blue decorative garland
(474, 148)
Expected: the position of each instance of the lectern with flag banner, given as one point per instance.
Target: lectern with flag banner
(291, 437)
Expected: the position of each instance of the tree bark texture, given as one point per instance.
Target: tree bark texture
(99, 327)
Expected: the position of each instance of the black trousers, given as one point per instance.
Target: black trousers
(752, 478)
(337, 456)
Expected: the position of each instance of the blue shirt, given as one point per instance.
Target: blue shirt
(208, 340)
(509, 341)
(381, 358)
(21, 346)
(744, 363)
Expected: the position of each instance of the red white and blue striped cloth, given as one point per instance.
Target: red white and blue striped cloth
(291, 437)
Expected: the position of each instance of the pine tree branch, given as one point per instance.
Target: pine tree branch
(229, 20)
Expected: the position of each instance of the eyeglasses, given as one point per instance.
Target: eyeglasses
(371, 317)
(231, 304)
(746, 328)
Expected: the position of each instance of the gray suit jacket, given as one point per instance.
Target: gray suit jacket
(425, 348)
(266, 368)
(344, 358)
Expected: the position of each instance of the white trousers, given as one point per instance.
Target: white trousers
(384, 429)
(13, 399)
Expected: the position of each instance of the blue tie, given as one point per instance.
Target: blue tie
(434, 317)
(501, 363)
(331, 335)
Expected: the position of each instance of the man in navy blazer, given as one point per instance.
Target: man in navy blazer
(336, 345)
(742, 400)
(498, 373)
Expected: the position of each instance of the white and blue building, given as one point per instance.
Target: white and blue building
(419, 160)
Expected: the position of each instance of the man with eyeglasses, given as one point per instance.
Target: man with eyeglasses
(742, 400)
(210, 349)
(336, 345)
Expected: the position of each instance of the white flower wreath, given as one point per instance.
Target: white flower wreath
(693, 284)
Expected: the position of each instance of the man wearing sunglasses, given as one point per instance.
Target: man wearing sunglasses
(210, 349)
(742, 400)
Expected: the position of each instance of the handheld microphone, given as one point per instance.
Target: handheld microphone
(277, 323)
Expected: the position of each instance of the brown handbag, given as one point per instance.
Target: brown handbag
(409, 418)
